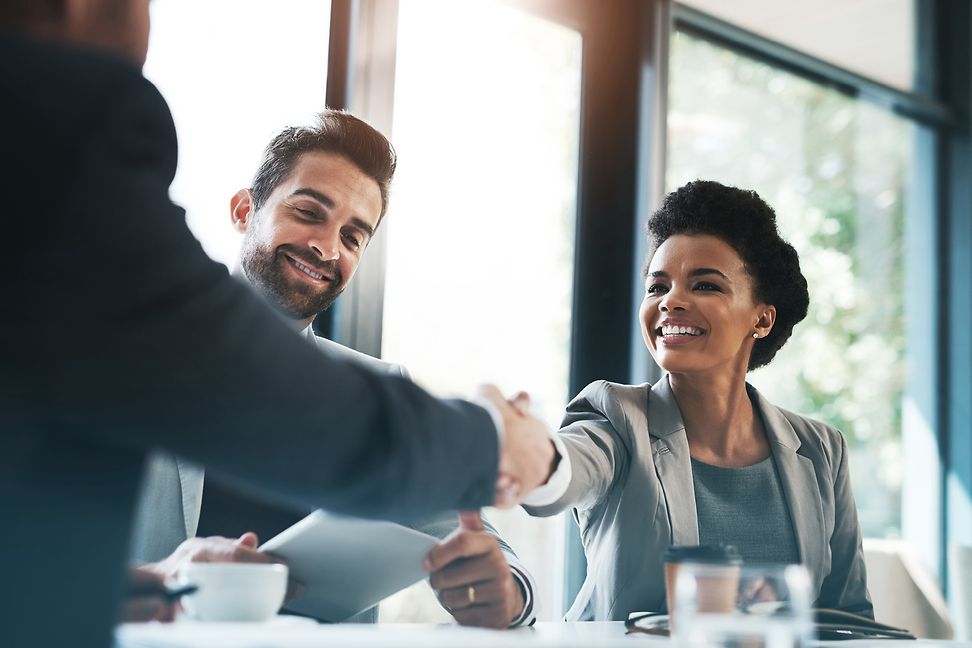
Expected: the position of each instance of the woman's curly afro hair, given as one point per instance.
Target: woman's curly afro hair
(748, 225)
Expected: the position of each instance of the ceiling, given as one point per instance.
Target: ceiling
(874, 38)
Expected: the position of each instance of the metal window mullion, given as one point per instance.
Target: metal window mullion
(927, 109)
(361, 79)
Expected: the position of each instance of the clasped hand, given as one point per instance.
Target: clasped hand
(528, 457)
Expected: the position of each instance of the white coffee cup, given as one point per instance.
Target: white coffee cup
(234, 591)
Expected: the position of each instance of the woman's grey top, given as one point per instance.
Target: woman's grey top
(745, 507)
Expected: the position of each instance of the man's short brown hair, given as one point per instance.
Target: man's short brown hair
(22, 14)
(334, 131)
(26, 14)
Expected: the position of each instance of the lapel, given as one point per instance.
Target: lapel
(799, 484)
(674, 469)
(191, 481)
(673, 464)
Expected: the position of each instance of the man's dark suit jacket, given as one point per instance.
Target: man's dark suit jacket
(118, 334)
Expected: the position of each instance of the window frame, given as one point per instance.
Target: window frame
(620, 178)
(936, 250)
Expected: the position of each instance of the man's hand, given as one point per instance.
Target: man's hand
(219, 549)
(143, 600)
(471, 577)
(528, 457)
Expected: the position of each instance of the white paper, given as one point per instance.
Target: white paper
(348, 564)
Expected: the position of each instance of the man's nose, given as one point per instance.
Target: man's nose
(326, 244)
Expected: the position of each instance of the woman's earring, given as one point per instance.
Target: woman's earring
(755, 336)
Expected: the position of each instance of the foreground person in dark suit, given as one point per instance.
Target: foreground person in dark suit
(119, 334)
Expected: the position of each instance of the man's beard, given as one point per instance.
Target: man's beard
(264, 268)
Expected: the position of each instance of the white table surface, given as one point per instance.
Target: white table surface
(291, 632)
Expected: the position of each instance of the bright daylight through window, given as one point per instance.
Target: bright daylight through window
(835, 169)
(234, 73)
(481, 223)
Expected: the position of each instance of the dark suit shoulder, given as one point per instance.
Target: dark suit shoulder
(61, 90)
(346, 353)
(61, 105)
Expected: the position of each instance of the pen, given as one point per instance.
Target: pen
(162, 592)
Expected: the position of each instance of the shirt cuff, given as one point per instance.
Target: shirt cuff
(548, 493)
(527, 616)
(493, 414)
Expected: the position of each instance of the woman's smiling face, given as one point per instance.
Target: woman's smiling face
(700, 311)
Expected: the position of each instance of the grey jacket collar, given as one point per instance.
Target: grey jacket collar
(674, 468)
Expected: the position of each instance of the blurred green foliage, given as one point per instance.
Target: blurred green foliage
(835, 169)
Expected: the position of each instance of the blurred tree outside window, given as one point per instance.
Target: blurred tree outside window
(835, 169)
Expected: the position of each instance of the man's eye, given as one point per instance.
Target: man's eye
(352, 241)
(307, 213)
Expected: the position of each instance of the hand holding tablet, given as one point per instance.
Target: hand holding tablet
(348, 565)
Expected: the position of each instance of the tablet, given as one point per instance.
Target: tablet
(347, 564)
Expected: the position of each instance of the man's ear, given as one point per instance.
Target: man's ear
(241, 210)
(767, 318)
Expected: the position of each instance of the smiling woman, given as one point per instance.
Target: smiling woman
(752, 267)
(710, 459)
(725, 309)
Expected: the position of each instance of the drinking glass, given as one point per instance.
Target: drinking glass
(749, 606)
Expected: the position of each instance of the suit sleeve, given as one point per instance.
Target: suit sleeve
(167, 350)
(845, 588)
(596, 453)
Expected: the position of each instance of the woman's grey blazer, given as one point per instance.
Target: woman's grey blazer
(632, 495)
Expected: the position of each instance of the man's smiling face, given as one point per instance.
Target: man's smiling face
(302, 246)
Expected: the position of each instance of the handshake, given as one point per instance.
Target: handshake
(467, 560)
(527, 457)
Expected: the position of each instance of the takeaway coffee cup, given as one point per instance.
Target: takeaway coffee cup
(716, 585)
(742, 606)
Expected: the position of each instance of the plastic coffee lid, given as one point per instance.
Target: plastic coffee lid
(705, 554)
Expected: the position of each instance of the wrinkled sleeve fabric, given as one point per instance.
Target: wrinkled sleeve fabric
(167, 350)
(557, 483)
(595, 452)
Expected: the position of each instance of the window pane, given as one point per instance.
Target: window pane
(835, 169)
(481, 220)
(234, 72)
(874, 38)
